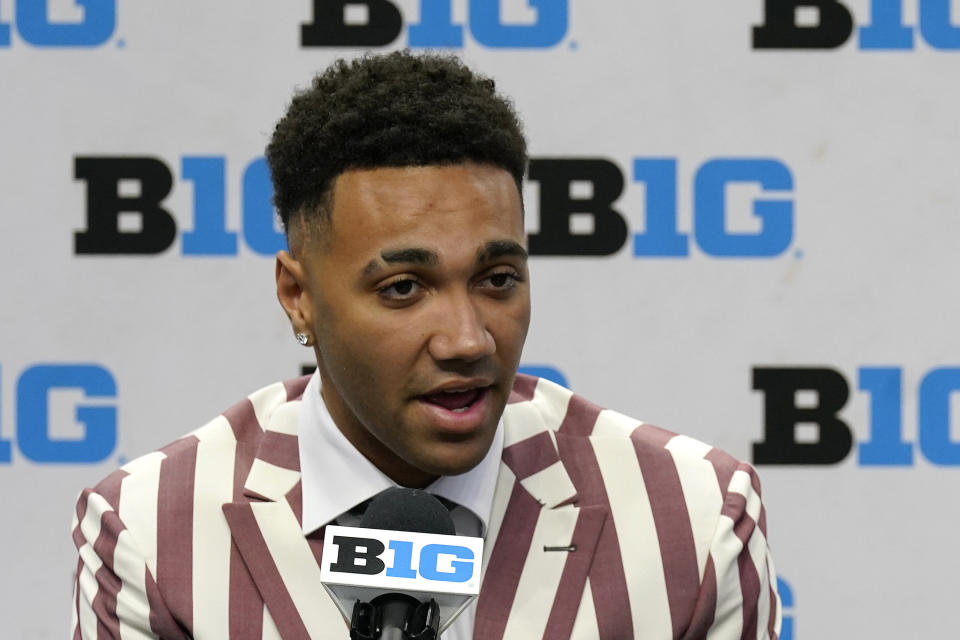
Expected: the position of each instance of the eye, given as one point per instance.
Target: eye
(501, 281)
(401, 289)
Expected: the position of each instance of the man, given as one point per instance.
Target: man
(398, 179)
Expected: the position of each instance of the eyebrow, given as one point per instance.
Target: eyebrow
(412, 255)
(416, 255)
(499, 249)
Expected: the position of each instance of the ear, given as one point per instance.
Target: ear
(293, 293)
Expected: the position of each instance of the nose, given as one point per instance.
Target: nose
(460, 331)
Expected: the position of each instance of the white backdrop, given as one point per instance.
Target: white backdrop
(862, 285)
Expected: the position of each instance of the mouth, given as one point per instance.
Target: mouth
(456, 400)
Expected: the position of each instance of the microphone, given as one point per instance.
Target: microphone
(402, 574)
(401, 510)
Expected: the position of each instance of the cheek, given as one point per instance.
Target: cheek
(511, 325)
(369, 356)
(352, 358)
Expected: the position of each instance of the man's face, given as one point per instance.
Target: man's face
(417, 296)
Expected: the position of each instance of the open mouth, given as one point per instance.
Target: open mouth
(456, 400)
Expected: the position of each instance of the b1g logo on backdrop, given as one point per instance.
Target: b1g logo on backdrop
(126, 214)
(579, 215)
(785, 591)
(827, 24)
(126, 211)
(802, 423)
(492, 23)
(43, 389)
(58, 23)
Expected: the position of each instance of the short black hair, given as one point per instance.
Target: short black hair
(394, 110)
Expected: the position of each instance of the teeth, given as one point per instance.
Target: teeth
(460, 410)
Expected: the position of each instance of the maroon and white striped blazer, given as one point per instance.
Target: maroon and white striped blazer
(202, 539)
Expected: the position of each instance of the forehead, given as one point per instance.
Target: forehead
(468, 204)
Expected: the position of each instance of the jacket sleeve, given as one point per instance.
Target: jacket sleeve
(738, 597)
(747, 602)
(115, 595)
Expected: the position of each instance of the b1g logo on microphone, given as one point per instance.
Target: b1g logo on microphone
(41, 390)
(579, 215)
(526, 24)
(58, 23)
(827, 24)
(802, 422)
(401, 559)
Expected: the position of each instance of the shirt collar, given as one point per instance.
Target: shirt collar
(337, 477)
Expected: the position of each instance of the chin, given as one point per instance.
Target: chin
(455, 465)
(458, 470)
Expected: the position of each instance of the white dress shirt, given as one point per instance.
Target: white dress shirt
(336, 477)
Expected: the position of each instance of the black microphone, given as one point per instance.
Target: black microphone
(398, 616)
(403, 509)
(414, 590)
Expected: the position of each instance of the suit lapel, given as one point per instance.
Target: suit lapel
(541, 541)
(266, 530)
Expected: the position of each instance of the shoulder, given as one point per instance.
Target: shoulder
(685, 515)
(206, 458)
(537, 405)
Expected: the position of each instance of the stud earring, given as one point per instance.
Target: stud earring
(303, 338)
